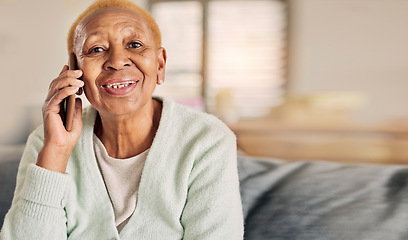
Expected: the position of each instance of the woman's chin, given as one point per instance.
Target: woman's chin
(122, 107)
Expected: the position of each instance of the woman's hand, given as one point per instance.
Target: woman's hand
(58, 142)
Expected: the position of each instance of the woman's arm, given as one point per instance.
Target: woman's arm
(213, 209)
(37, 210)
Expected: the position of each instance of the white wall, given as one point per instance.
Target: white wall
(32, 53)
(352, 45)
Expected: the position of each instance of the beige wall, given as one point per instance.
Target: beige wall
(352, 45)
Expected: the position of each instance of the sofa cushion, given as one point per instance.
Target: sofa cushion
(320, 200)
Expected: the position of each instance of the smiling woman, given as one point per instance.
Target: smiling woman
(133, 164)
(122, 63)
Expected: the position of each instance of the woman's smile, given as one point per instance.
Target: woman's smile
(120, 87)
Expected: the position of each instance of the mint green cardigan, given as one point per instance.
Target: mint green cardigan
(189, 187)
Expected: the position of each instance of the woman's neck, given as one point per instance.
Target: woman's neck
(126, 136)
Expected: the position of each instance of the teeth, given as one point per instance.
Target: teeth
(119, 85)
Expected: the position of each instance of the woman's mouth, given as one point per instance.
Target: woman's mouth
(120, 88)
(120, 84)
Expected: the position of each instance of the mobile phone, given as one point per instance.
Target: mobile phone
(69, 102)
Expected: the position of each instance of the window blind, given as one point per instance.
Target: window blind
(245, 54)
(246, 57)
(182, 36)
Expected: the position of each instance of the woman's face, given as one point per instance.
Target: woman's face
(121, 65)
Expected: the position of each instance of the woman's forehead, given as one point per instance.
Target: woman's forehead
(112, 17)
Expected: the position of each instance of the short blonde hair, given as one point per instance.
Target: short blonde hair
(125, 4)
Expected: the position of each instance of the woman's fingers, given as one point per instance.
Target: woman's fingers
(53, 104)
(67, 83)
(65, 79)
(58, 142)
(69, 77)
(64, 68)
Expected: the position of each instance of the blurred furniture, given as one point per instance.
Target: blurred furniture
(385, 144)
(321, 127)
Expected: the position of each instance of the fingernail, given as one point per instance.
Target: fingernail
(80, 82)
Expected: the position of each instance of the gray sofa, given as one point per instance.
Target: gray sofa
(9, 160)
(299, 200)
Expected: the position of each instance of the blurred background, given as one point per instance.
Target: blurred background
(294, 79)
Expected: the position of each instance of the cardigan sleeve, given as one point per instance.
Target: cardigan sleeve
(37, 210)
(213, 208)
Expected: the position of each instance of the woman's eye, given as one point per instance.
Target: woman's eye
(96, 50)
(135, 45)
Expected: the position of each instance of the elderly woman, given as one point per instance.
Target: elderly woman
(133, 166)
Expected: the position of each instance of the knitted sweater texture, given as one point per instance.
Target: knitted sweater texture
(189, 187)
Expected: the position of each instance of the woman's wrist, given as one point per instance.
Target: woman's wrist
(54, 158)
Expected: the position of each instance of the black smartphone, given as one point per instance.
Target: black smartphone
(68, 104)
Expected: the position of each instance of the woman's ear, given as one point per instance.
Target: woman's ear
(161, 67)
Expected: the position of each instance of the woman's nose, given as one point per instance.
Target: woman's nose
(118, 59)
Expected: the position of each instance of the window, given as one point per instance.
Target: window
(182, 36)
(226, 56)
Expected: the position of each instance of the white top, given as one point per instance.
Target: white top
(122, 180)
